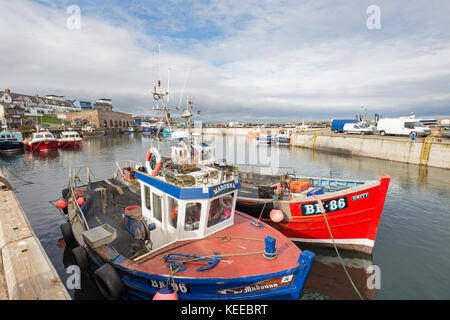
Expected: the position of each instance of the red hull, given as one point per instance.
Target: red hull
(44, 145)
(353, 227)
(70, 144)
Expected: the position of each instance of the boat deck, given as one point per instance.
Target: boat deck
(238, 241)
(105, 205)
(243, 241)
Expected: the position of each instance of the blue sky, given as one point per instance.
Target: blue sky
(245, 60)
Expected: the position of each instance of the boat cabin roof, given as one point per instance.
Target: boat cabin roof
(69, 134)
(41, 135)
(11, 135)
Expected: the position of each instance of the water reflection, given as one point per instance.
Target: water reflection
(328, 280)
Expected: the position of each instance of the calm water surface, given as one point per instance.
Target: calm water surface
(412, 248)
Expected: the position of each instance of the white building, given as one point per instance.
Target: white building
(35, 105)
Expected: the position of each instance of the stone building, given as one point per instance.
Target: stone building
(102, 119)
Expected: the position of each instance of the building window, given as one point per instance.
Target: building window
(120, 123)
(116, 122)
(105, 124)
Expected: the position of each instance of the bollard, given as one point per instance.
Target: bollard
(271, 251)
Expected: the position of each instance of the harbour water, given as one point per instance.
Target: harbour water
(411, 251)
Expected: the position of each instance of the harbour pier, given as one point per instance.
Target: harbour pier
(26, 272)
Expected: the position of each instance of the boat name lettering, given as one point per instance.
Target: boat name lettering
(260, 286)
(329, 206)
(360, 196)
(223, 188)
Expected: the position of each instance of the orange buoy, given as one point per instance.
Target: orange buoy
(80, 201)
(61, 204)
(166, 293)
(276, 215)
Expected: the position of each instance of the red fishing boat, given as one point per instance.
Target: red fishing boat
(345, 213)
(70, 139)
(41, 141)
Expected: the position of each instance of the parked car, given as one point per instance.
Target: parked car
(446, 132)
(402, 126)
(358, 128)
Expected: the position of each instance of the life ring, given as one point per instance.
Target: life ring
(158, 165)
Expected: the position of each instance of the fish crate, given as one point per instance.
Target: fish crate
(128, 172)
(99, 236)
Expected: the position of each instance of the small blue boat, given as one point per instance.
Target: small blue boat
(10, 142)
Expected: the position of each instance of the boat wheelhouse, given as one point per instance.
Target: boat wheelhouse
(70, 139)
(42, 141)
(10, 141)
(283, 136)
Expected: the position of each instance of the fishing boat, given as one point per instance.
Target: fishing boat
(10, 142)
(179, 238)
(254, 132)
(88, 131)
(70, 139)
(178, 235)
(283, 136)
(264, 137)
(42, 141)
(320, 211)
(129, 130)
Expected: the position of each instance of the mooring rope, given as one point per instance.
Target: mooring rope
(322, 210)
(223, 238)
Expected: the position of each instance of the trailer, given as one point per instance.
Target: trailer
(338, 125)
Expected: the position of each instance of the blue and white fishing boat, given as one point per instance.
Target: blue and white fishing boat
(172, 232)
(283, 136)
(10, 142)
(264, 137)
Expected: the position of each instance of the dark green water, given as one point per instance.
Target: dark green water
(412, 248)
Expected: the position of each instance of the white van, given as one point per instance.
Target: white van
(402, 126)
(358, 128)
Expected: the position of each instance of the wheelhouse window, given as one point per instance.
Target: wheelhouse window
(220, 210)
(192, 220)
(157, 210)
(147, 198)
(172, 204)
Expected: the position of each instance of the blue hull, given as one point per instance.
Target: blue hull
(284, 140)
(143, 286)
(10, 146)
(264, 140)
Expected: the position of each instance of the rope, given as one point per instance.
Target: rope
(223, 238)
(322, 209)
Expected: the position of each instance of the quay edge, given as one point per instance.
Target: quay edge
(26, 272)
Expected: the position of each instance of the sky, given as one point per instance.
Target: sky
(246, 61)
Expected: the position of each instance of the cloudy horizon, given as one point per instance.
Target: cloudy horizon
(271, 60)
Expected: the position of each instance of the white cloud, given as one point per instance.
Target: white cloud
(272, 59)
